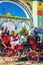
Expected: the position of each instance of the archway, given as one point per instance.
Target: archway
(15, 9)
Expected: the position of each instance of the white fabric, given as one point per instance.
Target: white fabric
(14, 43)
(32, 32)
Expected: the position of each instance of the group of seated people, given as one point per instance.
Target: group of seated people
(14, 39)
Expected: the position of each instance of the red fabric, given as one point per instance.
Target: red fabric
(34, 46)
(10, 49)
(2, 35)
(6, 39)
(31, 42)
(20, 48)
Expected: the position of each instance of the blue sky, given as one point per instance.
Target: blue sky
(15, 10)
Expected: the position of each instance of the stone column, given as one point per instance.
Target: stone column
(35, 17)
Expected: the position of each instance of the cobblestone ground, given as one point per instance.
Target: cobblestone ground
(22, 61)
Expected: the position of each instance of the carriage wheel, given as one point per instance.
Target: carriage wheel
(33, 57)
(18, 53)
(11, 53)
(8, 51)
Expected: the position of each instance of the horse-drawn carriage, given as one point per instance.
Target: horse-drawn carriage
(26, 48)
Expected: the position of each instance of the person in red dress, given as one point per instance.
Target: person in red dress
(33, 44)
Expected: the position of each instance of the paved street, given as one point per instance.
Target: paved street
(21, 61)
